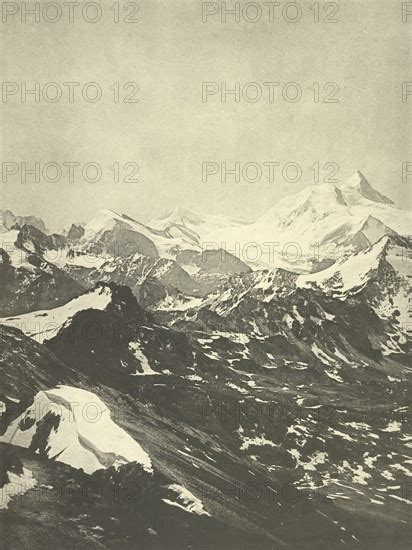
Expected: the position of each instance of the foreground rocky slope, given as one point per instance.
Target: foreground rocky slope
(296, 435)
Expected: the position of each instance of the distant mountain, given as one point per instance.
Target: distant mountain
(319, 225)
(8, 220)
(357, 191)
(120, 235)
(182, 222)
(28, 280)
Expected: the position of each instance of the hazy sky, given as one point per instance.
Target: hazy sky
(170, 132)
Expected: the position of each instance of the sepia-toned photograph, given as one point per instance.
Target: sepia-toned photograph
(205, 275)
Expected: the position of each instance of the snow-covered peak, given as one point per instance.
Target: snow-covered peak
(380, 271)
(323, 223)
(357, 190)
(148, 240)
(104, 220)
(179, 213)
(324, 199)
(356, 179)
(349, 273)
(194, 220)
(315, 201)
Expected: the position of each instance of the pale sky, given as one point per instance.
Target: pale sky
(169, 52)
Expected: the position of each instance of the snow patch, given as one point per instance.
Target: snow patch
(185, 500)
(141, 357)
(45, 324)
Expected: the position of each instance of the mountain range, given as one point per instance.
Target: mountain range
(201, 381)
